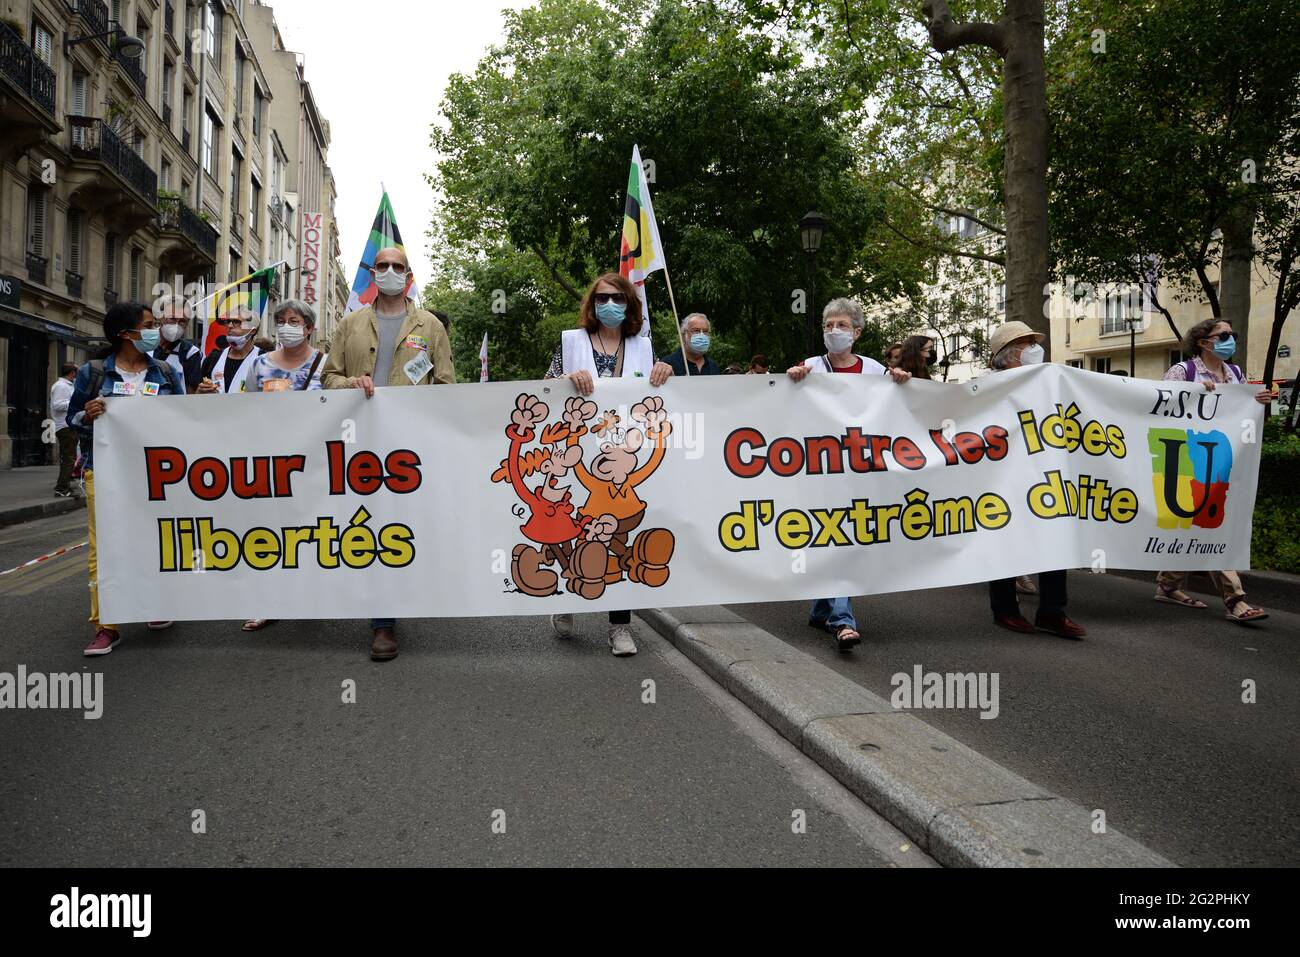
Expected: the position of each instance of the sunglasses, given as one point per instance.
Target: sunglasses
(615, 297)
(1222, 336)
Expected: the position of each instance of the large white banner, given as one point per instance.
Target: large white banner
(521, 499)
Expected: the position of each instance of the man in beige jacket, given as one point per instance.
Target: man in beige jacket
(392, 343)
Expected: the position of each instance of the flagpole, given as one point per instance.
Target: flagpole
(686, 363)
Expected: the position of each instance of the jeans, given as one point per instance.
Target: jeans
(377, 623)
(1051, 596)
(836, 612)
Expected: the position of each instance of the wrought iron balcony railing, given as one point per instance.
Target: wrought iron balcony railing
(92, 139)
(20, 64)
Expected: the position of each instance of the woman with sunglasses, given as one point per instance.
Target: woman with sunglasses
(607, 345)
(1211, 344)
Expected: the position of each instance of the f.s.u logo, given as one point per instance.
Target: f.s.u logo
(1190, 471)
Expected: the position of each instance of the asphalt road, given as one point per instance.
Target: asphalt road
(476, 717)
(1143, 719)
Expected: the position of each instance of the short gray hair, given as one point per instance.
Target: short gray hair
(166, 303)
(687, 321)
(845, 307)
(1003, 359)
(295, 305)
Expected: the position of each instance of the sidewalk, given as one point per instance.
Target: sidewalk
(28, 494)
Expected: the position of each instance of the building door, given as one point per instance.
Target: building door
(25, 394)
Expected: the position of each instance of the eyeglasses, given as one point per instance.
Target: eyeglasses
(290, 322)
(1222, 336)
(615, 297)
(396, 269)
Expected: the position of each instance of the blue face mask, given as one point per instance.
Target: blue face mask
(1226, 350)
(611, 314)
(148, 340)
(700, 343)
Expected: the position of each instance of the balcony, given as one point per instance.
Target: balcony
(134, 72)
(108, 174)
(197, 246)
(74, 281)
(22, 69)
(94, 20)
(38, 268)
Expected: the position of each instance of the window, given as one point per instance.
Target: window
(110, 263)
(137, 270)
(255, 206)
(187, 190)
(1176, 357)
(236, 167)
(43, 43)
(239, 79)
(1074, 363)
(234, 275)
(137, 143)
(76, 228)
(1101, 364)
(37, 206)
(80, 94)
(258, 101)
(168, 76)
(1121, 305)
(212, 35)
(209, 143)
(1000, 296)
(165, 179)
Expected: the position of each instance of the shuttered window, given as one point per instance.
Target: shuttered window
(76, 223)
(36, 209)
(137, 269)
(110, 262)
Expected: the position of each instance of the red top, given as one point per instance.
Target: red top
(855, 369)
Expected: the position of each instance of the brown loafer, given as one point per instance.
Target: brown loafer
(384, 647)
(1018, 623)
(1060, 625)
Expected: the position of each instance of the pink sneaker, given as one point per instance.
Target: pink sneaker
(104, 643)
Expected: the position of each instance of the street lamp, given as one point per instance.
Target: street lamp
(812, 228)
(127, 46)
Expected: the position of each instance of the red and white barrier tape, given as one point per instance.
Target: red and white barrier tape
(44, 558)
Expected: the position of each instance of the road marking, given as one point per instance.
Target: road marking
(30, 584)
(44, 533)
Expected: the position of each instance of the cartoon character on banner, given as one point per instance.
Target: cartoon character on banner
(589, 544)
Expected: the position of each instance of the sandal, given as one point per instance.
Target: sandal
(1251, 613)
(257, 624)
(846, 637)
(1176, 596)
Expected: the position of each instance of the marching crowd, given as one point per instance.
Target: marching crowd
(395, 343)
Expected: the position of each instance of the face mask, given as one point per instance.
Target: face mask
(238, 342)
(838, 341)
(1226, 350)
(932, 359)
(390, 282)
(1031, 355)
(611, 314)
(148, 340)
(700, 343)
(290, 336)
(173, 332)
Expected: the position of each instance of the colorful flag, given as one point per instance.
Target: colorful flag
(482, 361)
(252, 292)
(642, 252)
(383, 234)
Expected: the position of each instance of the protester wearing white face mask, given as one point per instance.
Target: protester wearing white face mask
(1013, 345)
(174, 349)
(842, 325)
(226, 370)
(294, 366)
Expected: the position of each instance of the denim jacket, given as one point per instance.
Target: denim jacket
(160, 374)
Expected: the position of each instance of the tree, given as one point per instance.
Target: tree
(743, 138)
(1018, 37)
(1170, 148)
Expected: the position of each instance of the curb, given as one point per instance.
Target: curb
(32, 513)
(961, 808)
(1271, 589)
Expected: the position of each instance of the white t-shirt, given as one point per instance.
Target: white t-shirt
(134, 380)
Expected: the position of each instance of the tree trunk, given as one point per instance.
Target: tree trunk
(1024, 93)
(1018, 38)
(1234, 277)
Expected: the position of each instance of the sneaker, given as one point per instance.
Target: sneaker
(62, 493)
(620, 641)
(160, 625)
(1026, 585)
(104, 643)
(563, 625)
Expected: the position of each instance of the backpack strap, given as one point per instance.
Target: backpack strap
(1190, 368)
(1237, 371)
(96, 382)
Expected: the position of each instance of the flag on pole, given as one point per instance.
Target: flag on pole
(252, 292)
(482, 361)
(642, 252)
(383, 234)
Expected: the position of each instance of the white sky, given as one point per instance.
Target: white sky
(412, 47)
